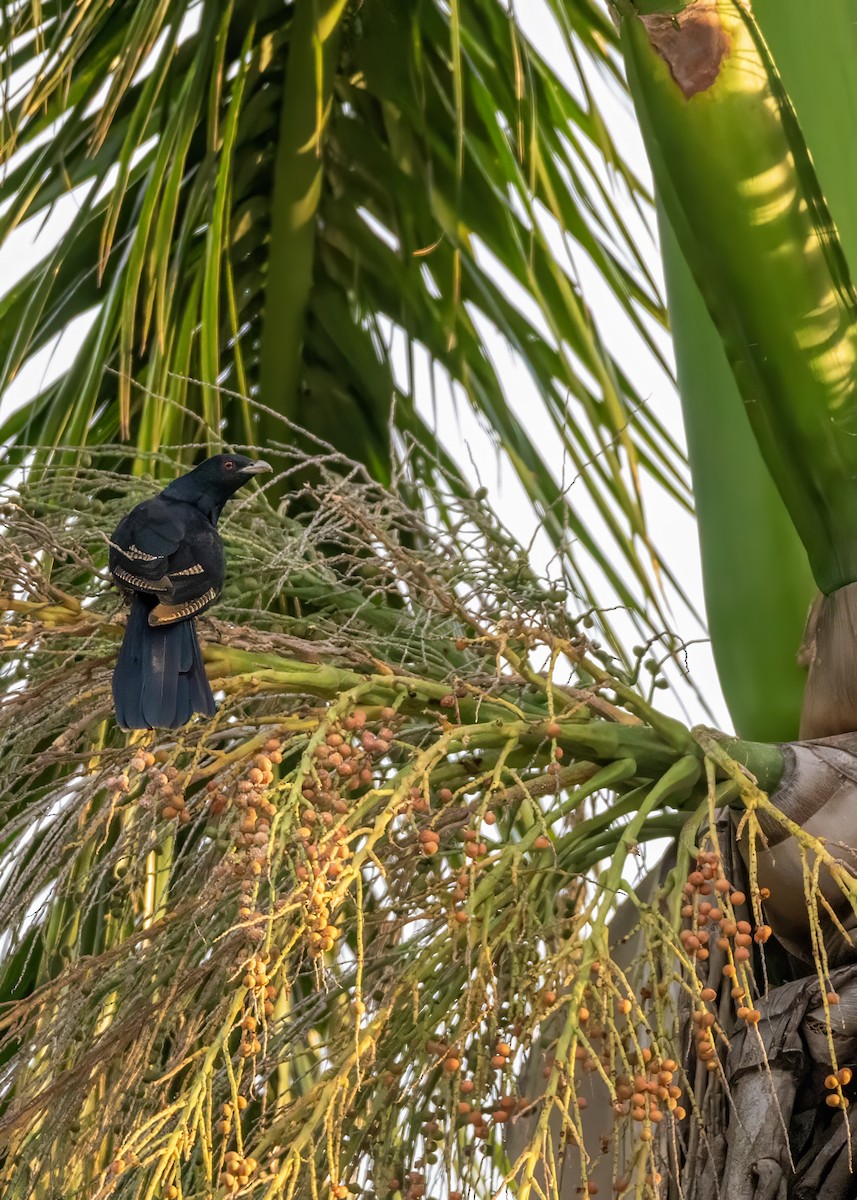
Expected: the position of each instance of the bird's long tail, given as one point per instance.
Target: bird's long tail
(159, 681)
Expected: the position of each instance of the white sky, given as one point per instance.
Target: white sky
(673, 531)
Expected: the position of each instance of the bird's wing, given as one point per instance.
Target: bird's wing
(168, 549)
(166, 613)
(143, 544)
(196, 572)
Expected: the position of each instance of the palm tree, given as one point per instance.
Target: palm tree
(303, 948)
(314, 239)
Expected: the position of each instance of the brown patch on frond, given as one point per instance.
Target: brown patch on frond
(692, 43)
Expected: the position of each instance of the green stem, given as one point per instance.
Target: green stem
(764, 761)
(741, 194)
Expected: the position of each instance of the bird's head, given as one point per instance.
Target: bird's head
(227, 472)
(211, 484)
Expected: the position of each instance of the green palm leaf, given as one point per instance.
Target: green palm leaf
(273, 201)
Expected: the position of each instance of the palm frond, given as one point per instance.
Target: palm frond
(296, 218)
(748, 219)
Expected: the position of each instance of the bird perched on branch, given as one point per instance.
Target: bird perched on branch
(167, 558)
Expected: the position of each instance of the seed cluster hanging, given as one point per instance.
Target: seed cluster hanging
(379, 928)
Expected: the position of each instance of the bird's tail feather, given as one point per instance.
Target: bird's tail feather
(159, 681)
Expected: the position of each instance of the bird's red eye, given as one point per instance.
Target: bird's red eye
(229, 464)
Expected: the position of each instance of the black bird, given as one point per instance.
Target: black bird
(167, 558)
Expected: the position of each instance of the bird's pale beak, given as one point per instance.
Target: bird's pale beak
(257, 468)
